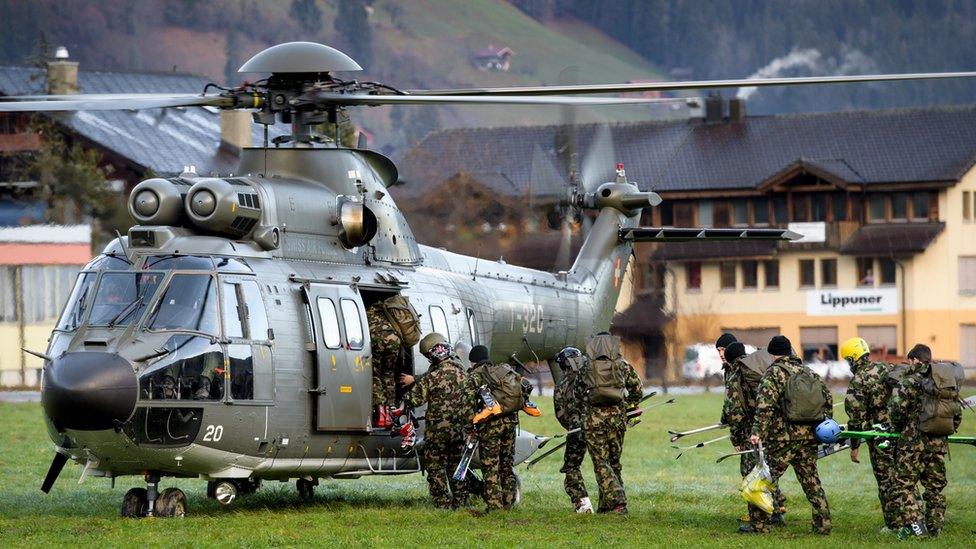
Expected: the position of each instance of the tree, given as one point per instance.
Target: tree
(307, 14)
(352, 26)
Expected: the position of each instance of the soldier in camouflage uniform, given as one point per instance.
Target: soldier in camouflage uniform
(919, 457)
(788, 444)
(604, 428)
(738, 413)
(386, 351)
(496, 437)
(866, 404)
(441, 388)
(568, 409)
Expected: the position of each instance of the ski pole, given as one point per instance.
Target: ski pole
(699, 445)
(675, 435)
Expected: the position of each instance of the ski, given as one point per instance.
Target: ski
(675, 435)
(699, 445)
(470, 445)
(823, 450)
(870, 435)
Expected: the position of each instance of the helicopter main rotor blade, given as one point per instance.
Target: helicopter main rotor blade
(598, 165)
(692, 85)
(57, 464)
(341, 99)
(110, 102)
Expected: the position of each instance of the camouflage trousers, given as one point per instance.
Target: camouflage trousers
(386, 360)
(604, 443)
(746, 464)
(496, 451)
(921, 459)
(441, 453)
(802, 456)
(883, 466)
(573, 456)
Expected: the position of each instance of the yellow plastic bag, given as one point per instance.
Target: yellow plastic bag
(757, 486)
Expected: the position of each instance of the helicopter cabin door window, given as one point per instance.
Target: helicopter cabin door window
(353, 323)
(473, 327)
(330, 323)
(248, 335)
(438, 321)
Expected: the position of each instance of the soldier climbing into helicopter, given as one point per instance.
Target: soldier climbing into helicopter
(394, 327)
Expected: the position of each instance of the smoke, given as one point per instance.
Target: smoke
(811, 62)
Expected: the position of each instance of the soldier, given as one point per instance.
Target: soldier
(568, 411)
(721, 344)
(497, 423)
(866, 404)
(609, 387)
(791, 401)
(386, 350)
(441, 389)
(924, 409)
(742, 383)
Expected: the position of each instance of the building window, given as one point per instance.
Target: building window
(760, 211)
(818, 207)
(693, 270)
(727, 275)
(920, 206)
(807, 273)
(967, 207)
(705, 213)
(876, 208)
(865, 271)
(899, 206)
(740, 212)
(801, 207)
(839, 204)
(881, 339)
(967, 275)
(722, 214)
(666, 211)
(771, 271)
(819, 344)
(886, 268)
(780, 210)
(750, 274)
(828, 272)
(684, 215)
(967, 346)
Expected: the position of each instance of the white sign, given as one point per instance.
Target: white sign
(868, 301)
(815, 231)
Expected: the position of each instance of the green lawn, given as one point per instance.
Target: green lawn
(685, 503)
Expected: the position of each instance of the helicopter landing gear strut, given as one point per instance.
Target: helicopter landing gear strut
(148, 502)
(306, 488)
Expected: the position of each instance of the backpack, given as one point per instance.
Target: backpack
(505, 385)
(803, 399)
(606, 376)
(562, 398)
(753, 367)
(403, 317)
(940, 399)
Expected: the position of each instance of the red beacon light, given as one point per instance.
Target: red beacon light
(621, 174)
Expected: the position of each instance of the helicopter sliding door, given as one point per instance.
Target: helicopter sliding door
(343, 390)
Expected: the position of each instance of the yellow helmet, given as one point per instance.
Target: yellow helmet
(854, 348)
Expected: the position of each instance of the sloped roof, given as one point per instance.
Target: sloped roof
(888, 238)
(935, 144)
(164, 140)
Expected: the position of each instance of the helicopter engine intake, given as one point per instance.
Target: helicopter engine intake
(225, 207)
(158, 201)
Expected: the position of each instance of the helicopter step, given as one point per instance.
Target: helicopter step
(385, 465)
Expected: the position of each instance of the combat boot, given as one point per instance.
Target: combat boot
(531, 409)
(620, 509)
(584, 506)
(383, 418)
(915, 529)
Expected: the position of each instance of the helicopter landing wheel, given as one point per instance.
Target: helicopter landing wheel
(135, 503)
(171, 503)
(306, 488)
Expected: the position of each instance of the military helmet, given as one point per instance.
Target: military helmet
(569, 358)
(853, 349)
(430, 341)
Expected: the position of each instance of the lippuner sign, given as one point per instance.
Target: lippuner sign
(868, 301)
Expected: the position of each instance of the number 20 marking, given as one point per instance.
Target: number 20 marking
(213, 433)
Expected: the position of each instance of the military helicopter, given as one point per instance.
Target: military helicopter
(224, 337)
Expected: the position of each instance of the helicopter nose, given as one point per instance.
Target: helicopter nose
(89, 391)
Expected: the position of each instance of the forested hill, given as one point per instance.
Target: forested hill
(738, 38)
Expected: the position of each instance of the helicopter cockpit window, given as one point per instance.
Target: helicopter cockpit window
(353, 323)
(179, 262)
(188, 303)
(241, 372)
(257, 316)
(189, 368)
(106, 262)
(438, 321)
(74, 311)
(232, 265)
(233, 323)
(472, 327)
(122, 297)
(330, 323)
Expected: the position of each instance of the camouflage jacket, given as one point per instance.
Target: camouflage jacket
(564, 399)
(381, 332)
(867, 397)
(770, 423)
(607, 417)
(442, 389)
(905, 405)
(738, 410)
(478, 377)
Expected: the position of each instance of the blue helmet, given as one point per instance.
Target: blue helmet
(827, 431)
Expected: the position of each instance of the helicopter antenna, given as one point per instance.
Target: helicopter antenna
(122, 244)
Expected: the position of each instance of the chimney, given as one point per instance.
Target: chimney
(737, 109)
(62, 75)
(714, 105)
(235, 130)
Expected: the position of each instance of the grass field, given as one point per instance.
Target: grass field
(690, 502)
